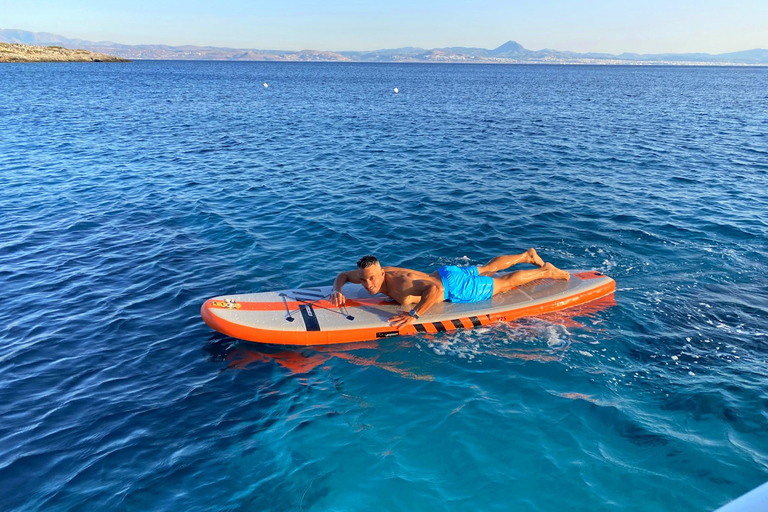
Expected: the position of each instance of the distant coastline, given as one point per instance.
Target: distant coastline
(29, 53)
(510, 52)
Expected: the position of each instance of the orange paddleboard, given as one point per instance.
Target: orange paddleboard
(306, 317)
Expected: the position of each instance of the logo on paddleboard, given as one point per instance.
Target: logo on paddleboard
(226, 303)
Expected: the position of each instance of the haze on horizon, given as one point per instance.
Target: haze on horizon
(602, 26)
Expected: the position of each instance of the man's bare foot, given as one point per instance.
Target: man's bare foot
(534, 258)
(556, 273)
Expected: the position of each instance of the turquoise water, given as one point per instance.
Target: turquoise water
(131, 193)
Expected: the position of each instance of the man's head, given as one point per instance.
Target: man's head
(371, 274)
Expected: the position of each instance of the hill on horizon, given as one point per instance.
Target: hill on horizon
(509, 52)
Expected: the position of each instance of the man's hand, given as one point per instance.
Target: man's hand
(337, 298)
(401, 320)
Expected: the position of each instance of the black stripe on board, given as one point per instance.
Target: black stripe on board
(420, 328)
(310, 319)
(475, 321)
(457, 324)
(307, 299)
(439, 326)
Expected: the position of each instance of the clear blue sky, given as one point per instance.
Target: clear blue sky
(641, 26)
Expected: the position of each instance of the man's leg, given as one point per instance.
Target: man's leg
(515, 279)
(502, 262)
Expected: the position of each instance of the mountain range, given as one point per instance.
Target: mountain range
(509, 52)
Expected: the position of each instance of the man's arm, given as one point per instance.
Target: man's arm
(430, 294)
(350, 276)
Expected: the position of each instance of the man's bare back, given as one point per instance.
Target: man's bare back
(408, 286)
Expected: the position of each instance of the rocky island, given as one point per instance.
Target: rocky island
(28, 53)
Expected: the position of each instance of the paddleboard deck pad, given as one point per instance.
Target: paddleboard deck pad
(306, 316)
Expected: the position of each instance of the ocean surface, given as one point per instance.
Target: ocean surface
(130, 193)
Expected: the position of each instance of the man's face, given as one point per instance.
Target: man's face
(372, 278)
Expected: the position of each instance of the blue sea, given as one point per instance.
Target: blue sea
(131, 193)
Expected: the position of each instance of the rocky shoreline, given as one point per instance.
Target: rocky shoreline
(28, 53)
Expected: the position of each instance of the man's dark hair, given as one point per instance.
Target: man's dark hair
(367, 261)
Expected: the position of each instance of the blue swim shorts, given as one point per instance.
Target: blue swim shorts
(465, 284)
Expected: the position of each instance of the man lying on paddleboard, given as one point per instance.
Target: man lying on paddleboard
(448, 283)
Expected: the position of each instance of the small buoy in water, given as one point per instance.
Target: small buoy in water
(266, 85)
(396, 91)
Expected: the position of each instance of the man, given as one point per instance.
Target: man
(449, 283)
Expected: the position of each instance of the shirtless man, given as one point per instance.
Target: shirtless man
(449, 283)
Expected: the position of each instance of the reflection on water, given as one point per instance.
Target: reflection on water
(244, 355)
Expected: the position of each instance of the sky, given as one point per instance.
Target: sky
(647, 26)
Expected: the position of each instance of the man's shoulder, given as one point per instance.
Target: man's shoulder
(406, 274)
(397, 270)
